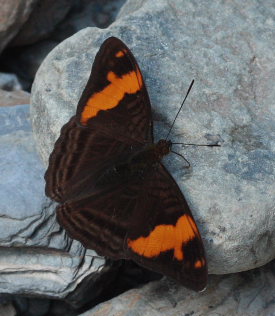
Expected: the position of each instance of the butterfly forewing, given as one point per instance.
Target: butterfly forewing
(112, 120)
(112, 199)
(116, 93)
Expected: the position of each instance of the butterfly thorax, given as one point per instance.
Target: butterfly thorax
(150, 155)
(162, 148)
(138, 164)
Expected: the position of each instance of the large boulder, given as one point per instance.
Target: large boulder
(228, 49)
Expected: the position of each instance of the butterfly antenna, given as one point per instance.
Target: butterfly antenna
(190, 87)
(207, 145)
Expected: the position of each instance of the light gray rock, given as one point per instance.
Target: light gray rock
(248, 293)
(36, 256)
(13, 14)
(228, 48)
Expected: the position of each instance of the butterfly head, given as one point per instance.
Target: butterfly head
(164, 147)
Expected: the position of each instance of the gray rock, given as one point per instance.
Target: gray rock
(13, 14)
(36, 256)
(245, 294)
(228, 48)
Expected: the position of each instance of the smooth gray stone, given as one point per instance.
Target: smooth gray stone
(228, 48)
(36, 256)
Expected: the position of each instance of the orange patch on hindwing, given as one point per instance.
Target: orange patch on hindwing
(166, 237)
(112, 94)
(199, 263)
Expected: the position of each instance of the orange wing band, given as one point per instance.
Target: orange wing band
(112, 94)
(166, 237)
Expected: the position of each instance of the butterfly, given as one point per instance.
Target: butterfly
(115, 195)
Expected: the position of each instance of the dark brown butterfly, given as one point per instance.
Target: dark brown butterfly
(115, 195)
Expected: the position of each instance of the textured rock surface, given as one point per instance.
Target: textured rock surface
(228, 49)
(13, 15)
(36, 257)
(249, 293)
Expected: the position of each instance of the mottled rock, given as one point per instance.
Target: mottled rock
(245, 294)
(228, 49)
(13, 14)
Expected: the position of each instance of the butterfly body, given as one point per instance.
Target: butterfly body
(115, 195)
(144, 160)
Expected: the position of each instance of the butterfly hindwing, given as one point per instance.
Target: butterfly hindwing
(113, 119)
(164, 236)
(147, 220)
(101, 220)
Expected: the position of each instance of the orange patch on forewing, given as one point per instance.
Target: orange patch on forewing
(112, 94)
(166, 237)
(120, 54)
